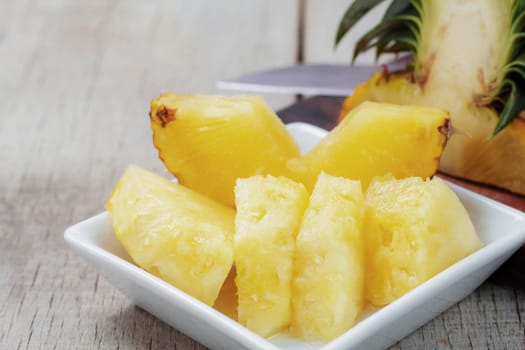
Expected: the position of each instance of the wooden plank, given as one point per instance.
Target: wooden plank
(76, 78)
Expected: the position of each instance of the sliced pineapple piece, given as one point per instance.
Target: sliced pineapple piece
(269, 212)
(173, 232)
(208, 142)
(376, 139)
(328, 286)
(414, 229)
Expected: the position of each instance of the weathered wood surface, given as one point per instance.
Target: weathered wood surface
(76, 78)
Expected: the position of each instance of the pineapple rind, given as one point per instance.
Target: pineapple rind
(173, 232)
(328, 286)
(269, 212)
(414, 229)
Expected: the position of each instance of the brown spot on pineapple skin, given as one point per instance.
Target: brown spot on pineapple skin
(165, 115)
(484, 98)
(446, 129)
(424, 70)
(385, 74)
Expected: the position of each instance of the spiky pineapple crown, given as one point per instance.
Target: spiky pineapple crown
(400, 32)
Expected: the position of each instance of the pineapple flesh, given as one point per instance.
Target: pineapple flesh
(376, 139)
(468, 58)
(269, 212)
(174, 233)
(328, 284)
(414, 229)
(208, 142)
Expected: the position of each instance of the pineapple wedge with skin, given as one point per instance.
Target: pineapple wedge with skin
(208, 142)
(269, 212)
(468, 58)
(414, 229)
(176, 234)
(328, 285)
(377, 139)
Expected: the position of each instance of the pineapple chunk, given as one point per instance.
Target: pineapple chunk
(328, 285)
(376, 139)
(174, 233)
(208, 142)
(269, 212)
(414, 229)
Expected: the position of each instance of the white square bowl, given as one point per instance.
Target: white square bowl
(500, 228)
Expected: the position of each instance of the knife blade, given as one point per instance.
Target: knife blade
(310, 78)
(306, 79)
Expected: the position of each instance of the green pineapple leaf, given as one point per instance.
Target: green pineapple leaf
(353, 14)
(514, 105)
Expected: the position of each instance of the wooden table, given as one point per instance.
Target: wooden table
(76, 78)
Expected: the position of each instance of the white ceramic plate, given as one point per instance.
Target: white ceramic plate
(501, 228)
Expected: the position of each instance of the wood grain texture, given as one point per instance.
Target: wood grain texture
(76, 78)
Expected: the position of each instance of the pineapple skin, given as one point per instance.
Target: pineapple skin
(328, 285)
(414, 229)
(377, 139)
(269, 212)
(471, 154)
(208, 141)
(174, 233)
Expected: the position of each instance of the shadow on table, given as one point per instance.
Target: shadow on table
(512, 272)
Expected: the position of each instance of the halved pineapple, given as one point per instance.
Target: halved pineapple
(468, 57)
(414, 229)
(173, 232)
(376, 139)
(208, 142)
(269, 212)
(328, 285)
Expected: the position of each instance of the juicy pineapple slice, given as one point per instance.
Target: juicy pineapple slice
(414, 229)
(377, 139)
(269, 212)
(208, 142)
(328, 285)
(173, 232)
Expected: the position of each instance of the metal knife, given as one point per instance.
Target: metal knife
(309, 79)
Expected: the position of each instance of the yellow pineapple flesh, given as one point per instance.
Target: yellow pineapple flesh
(376, 139)
(471, 154)
(173, 232)
(414, 229)
(328, 285)
(208, 142)
(269, 212)
(467, 58)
